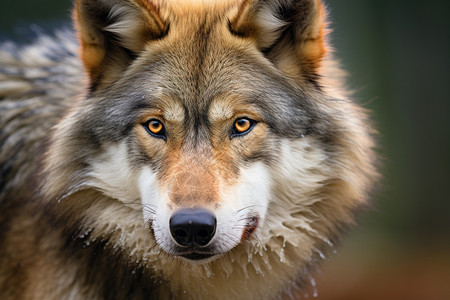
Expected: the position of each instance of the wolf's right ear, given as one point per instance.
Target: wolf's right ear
(113, 32)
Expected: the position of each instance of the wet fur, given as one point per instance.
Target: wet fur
(74, 155)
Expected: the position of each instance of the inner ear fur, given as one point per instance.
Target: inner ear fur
(113, 32)
(291, 33)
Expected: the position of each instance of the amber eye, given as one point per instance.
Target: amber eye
(242, 126)
(155, 128)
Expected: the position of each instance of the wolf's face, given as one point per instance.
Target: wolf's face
(207, 128)
(201, 129)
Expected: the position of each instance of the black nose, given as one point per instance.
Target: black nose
(193, 227)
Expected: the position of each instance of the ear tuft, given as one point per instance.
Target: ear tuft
(135, 24)
(112, 33)
(258, 20)
(124, 25)
(291, 33)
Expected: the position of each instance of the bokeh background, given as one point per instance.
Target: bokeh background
(398, 57)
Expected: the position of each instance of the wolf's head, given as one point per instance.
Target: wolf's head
(208, 127)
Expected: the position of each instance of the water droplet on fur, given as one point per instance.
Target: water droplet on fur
(322, 256)
(207, 271)
(314, 286)
(265, 258)
(257, 268)
(282, 257)
(228, 269)
(331, 246)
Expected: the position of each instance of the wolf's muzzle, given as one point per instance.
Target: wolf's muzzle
(193, 228)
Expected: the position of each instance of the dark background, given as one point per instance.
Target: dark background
(398, 55)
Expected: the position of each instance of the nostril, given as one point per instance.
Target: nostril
(193, 227)
(180, 233)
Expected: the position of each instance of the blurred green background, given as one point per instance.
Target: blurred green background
(398, 57)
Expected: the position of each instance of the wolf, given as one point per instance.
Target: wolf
(177, 150)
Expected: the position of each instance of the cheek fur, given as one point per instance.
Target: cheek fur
(114, 175)
(242, 204)
(252, 145)
(156, 208)
(149, 194)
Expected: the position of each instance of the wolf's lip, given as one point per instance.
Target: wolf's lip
(250, 227)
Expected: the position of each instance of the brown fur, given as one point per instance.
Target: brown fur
(72, 154)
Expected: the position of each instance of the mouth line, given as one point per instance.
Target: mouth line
(195, 255)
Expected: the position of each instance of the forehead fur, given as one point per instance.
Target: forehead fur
(188, 7)
(200, 61)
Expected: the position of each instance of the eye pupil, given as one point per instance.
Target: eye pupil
(155, 126)
(242, 125)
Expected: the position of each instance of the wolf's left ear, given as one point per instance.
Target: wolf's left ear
(113, 32)
(291, 33)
